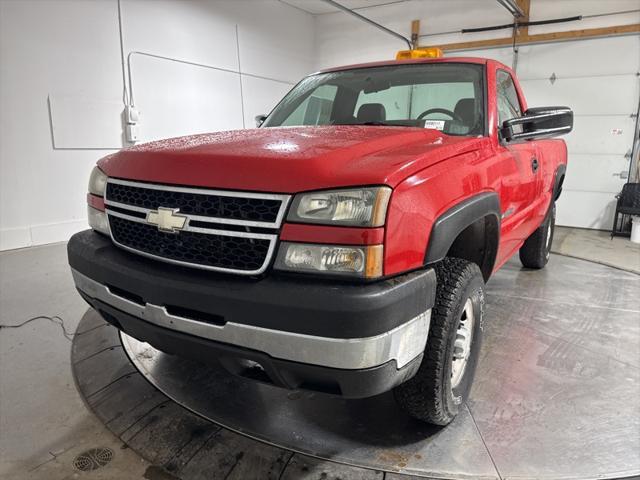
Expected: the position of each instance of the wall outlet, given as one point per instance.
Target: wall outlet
(131, 118)
(132, 133)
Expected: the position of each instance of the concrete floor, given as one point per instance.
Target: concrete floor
(550, 399)
(597, 246)
(44, 423)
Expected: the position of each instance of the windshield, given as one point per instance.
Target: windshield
(445, 96)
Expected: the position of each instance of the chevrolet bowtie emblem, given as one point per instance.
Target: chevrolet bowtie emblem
(166, 219)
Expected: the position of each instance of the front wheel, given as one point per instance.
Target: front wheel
(536, 250)
(442, 383)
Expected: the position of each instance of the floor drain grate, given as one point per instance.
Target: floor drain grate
(93, 459)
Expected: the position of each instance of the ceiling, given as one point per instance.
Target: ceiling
(319, 7)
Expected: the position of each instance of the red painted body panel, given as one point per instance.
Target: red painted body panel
(296, 232)
(288, 159)
(429, 171)
(95, 201)
(385, 63)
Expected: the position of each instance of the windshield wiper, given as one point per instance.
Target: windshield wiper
(381, 124)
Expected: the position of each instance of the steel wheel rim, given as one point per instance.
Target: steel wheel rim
(548, 240)
(462, 344)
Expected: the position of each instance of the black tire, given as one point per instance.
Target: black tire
(429, 395)
(536, 249)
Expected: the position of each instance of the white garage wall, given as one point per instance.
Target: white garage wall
(597, 78)
(65, 49)
(60, 61)
(272, 47)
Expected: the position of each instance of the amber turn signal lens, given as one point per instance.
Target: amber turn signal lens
(374, 262)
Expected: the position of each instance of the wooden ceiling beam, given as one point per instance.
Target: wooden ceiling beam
(415, 33)
(543, 38)
(525, 6)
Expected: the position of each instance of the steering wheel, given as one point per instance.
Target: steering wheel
(453, 115)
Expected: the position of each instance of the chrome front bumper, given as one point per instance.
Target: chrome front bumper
(401, 344)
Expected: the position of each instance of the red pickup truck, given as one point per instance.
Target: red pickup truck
(343, 246)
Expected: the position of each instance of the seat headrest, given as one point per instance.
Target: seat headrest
(466, 110)
(371, 112)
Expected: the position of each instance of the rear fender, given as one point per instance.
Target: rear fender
(558, 180)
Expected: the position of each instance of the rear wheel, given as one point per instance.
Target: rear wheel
(442, 383)
(537, 248)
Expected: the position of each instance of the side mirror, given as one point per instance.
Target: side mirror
(543, 122)
(260, 119)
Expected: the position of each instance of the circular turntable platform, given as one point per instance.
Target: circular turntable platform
(555, 396)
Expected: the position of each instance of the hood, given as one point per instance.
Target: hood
(289, 159)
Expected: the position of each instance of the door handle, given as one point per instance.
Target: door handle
(534, 165)
(623, 175)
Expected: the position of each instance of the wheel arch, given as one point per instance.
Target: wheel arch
(468, 230)
(558, 181)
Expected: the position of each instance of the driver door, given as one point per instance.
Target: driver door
(519, 192)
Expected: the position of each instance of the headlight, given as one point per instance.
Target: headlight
(365, 262)
(98, 220)
(358, 207)
(97, 182)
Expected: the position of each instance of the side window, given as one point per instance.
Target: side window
(316, 109)
(508, 103)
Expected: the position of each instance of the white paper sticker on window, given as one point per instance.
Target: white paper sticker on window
(435, 124)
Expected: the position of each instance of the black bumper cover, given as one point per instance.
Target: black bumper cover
(300, 305)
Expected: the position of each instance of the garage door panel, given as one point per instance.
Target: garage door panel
(571, 59)
(598, 79)
(601, 135)
(606, 94)
(596, 210)
(595, 173)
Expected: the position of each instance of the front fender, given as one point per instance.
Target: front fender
(452, 222)
(419, 200)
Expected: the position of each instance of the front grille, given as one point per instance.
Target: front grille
(231, 253)
(219, 206)
(224, 231)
